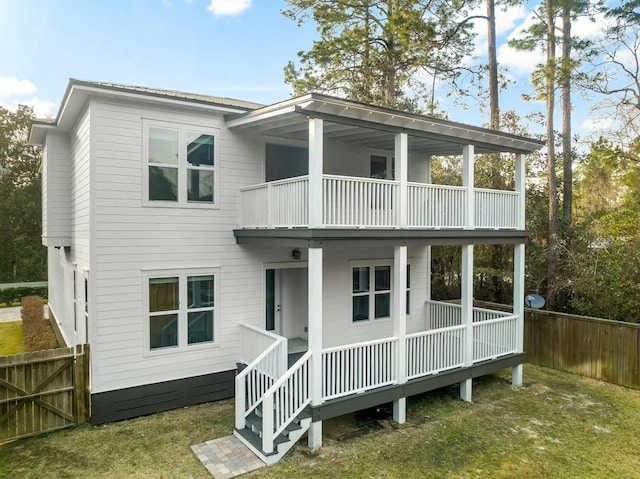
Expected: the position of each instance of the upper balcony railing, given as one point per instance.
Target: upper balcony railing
(352, 202)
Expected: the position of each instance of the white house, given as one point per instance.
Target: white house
(192, 237)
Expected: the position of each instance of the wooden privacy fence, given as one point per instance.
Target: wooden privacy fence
(43, 391)
(592, 347)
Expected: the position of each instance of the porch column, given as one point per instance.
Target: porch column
(315, 340)
(402, 164)
(467, 182)
(427, 309)
(518, 308)
(520, 189)
(467, 316)
(400, 325)
(316, 157)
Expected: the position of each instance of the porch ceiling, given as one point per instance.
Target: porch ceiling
(373, 127)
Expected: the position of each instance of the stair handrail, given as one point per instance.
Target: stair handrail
(295, 395)
(276, 354)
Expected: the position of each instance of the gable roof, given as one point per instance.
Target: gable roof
(78, 92)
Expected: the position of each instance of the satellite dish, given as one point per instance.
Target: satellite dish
(534, 301)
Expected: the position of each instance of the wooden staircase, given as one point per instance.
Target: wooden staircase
(251, 435)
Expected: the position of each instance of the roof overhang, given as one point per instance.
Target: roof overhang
(78, 93)
(375, 127)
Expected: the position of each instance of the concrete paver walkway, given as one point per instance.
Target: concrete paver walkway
(227, 457)
(10, 314)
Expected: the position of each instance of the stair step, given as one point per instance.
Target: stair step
(256, 441)
(254, 420)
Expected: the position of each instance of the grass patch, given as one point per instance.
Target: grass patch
(557, 425)
(11, 338)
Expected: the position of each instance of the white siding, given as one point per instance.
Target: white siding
(56, 191)
(338, 328)
(131, 239)
(68, 205)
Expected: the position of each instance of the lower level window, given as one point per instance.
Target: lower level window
(181, 310)
(371, 292)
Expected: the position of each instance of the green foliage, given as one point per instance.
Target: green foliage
(372, 51)
(9, 296)
(604, 259)
(23, 257)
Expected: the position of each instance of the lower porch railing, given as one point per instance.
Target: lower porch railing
(284, 401)
(355, 368)
(431, 352)
(359, 367)
(494, 332)
(261, 372)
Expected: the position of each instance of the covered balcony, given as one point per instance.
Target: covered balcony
(363, 167)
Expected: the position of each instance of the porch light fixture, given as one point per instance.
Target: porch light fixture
(296, 253)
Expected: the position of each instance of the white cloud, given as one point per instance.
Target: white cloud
(14, 92)
(11, 87)
(519, 63)
(41, 108)
(228, 7)
(597, 124)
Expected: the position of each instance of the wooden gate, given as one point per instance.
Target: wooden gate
(43, 391)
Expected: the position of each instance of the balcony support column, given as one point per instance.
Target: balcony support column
(399, 314)
(402, 163)
(316, 158)
(315, 339)
(467, 316)
(518, 308)
(468, 182)
(520, 189)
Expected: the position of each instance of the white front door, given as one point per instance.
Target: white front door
(286, 301)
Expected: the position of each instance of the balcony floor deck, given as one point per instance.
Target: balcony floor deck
(411, 236)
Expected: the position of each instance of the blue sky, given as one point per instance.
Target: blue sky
(232, 48)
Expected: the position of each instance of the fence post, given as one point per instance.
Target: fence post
(79, 384)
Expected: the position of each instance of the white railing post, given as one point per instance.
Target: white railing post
(267, 424)
(270, 208)
(241, 395)
(467, 182)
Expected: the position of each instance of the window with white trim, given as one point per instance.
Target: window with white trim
(180, 165)
(371, 286)
(180, 309)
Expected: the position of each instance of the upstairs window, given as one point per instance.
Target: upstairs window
(180, 165)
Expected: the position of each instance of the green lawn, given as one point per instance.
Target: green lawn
(556, 426)
(11, 338)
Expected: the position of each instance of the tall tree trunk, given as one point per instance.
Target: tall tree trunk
(494, 108)
(567, 150)
(497, 251)
(551, 159)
